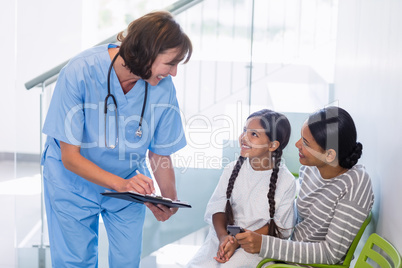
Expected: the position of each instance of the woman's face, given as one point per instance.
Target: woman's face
(310, 153)
(254, 142)
(165, 64)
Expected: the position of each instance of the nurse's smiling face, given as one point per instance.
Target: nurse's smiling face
(165, 64)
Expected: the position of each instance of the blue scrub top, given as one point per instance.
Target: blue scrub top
(76, 117)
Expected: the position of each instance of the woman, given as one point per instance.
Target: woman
(96, 144)
(335, 197)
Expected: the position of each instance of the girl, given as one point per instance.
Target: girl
(335, 196)
(256, 192)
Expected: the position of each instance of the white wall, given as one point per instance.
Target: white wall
(7, 74)
(33, 33)
(368, 83)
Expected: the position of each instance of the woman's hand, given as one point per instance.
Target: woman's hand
(161, 212)
(250, 241)
(226, 249)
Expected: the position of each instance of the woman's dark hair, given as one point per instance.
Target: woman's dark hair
(277, 128)
(148, 36)
(333, 128)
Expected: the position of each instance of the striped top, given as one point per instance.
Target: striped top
(330, 214)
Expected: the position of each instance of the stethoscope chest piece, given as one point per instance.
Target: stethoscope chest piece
(138, 133)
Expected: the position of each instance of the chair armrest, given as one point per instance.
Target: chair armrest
(283, 265)
(264, 261)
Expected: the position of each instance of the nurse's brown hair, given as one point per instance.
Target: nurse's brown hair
(148, 36)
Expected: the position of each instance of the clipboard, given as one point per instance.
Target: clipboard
(141, 198)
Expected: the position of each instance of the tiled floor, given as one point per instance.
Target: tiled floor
(177, 254)
(21, 225)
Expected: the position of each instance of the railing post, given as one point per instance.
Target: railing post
(42, 248)
(250, 66)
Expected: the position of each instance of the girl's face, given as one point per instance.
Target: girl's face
(165, 64)
(255, 144)
(310, 153)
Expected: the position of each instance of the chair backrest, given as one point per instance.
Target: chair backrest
(381, 255)
(355, 242)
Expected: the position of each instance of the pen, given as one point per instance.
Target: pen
(138, 173)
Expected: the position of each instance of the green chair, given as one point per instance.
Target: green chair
(378, 256)
(346, 262)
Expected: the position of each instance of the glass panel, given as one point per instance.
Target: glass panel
(293, 60)
(213, 87)
(104, 18)
(293, 54)
(31, 228)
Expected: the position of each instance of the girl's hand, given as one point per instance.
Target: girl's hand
(226, 249)
(231, 247)
(250, 241)
(220, 256)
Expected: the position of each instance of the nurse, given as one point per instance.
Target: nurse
(91, 149)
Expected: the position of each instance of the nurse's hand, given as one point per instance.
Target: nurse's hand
(161, 212)
(139, 183)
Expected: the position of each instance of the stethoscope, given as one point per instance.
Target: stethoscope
(138, 133)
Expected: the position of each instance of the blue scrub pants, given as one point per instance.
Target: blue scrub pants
(73, 222)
